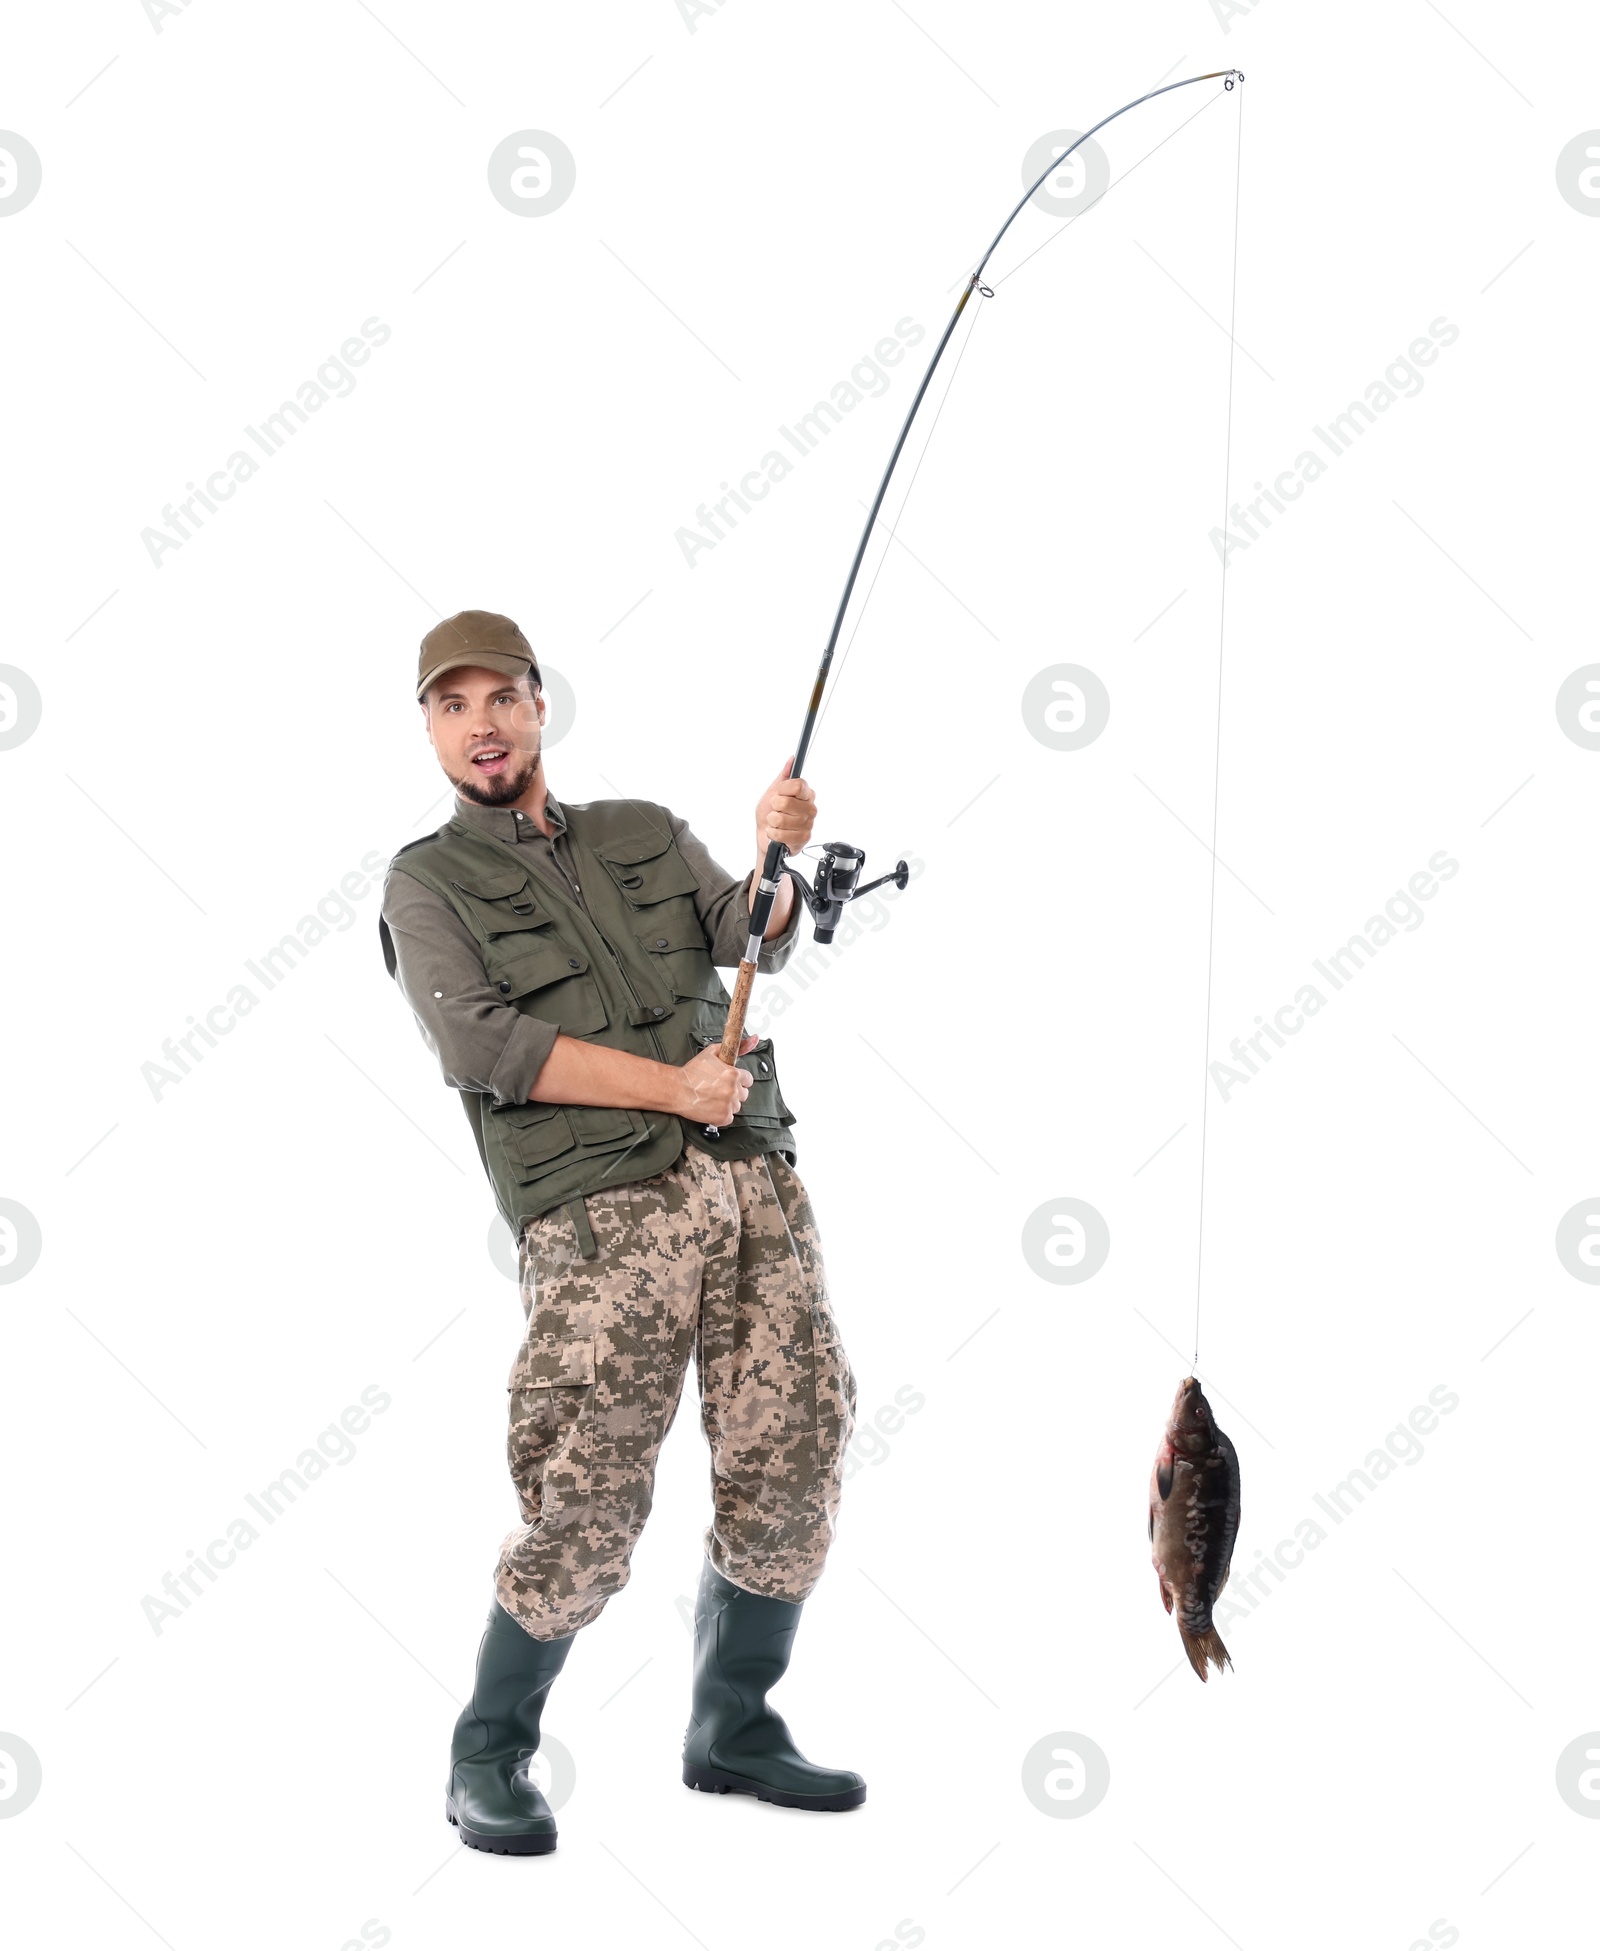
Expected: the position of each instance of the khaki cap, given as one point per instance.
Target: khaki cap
(475, 637)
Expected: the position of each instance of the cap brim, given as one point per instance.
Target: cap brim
(487, 660)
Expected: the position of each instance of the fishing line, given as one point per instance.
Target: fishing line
(1216, 761)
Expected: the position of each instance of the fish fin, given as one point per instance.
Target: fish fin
(1203, 1647)
(1166, 1596)
(1164, 1479)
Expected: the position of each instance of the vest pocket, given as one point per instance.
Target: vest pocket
(504, 902)
(523, 954)
(764, 1104)
(542, 1138)
(678, 942)
(647, 867)
(556, 976)
(533, 1134)
(598, 1125)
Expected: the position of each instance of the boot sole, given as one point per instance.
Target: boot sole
(715, 1781)
(535, 1845)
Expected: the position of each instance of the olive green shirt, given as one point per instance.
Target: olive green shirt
(482, 1042)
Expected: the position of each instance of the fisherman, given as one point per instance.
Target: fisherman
(560, 962)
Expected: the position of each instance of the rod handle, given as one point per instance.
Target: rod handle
(733, 1035)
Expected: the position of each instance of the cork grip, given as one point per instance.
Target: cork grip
(733, 1035)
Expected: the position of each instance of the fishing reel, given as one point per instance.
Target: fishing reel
(834, 884)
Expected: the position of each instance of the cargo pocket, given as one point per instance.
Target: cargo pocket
(524, 956)
(684, 956)
(532, 1137)
(648, 867)
(764, 1110)
(503, 900)
(675, 944)
(551, 1423)
(553, 980)
(764, 1105)
(539, 1139)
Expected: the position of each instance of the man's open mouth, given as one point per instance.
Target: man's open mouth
(491, 759)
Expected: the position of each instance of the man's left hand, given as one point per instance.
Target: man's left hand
(786, 811)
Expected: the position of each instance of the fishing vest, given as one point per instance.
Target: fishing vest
(633, 972)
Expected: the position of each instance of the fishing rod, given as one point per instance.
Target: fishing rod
(841, 865)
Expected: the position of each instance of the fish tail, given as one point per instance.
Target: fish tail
(1203, 1648)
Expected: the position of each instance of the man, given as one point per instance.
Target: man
(560, 961)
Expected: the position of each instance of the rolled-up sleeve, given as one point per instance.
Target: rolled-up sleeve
(723, 904)
(482, 1042)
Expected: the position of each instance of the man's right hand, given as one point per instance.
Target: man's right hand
(705, 1088)
(713, 1090)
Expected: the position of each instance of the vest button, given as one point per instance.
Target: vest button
(505, 988)
(573, 962)
(661, 941)
(658, 1011)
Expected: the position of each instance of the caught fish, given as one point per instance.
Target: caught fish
(1194, 1519)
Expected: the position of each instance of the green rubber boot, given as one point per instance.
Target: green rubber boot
(490, 1798)
(736, 1744)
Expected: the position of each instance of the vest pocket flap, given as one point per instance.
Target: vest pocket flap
(503, 900)
(595, 1123)
(533, 963)
(648, 868)
(534, 1132)
(538, 1138)
(491, 882)
(632, 847)
(672, 931)
(559, 1361)
(554, 975)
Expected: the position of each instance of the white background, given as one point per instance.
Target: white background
(761, 193)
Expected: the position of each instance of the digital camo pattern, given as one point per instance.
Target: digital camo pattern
(714, 1259)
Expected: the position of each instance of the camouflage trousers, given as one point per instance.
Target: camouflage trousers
(718, 1260)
